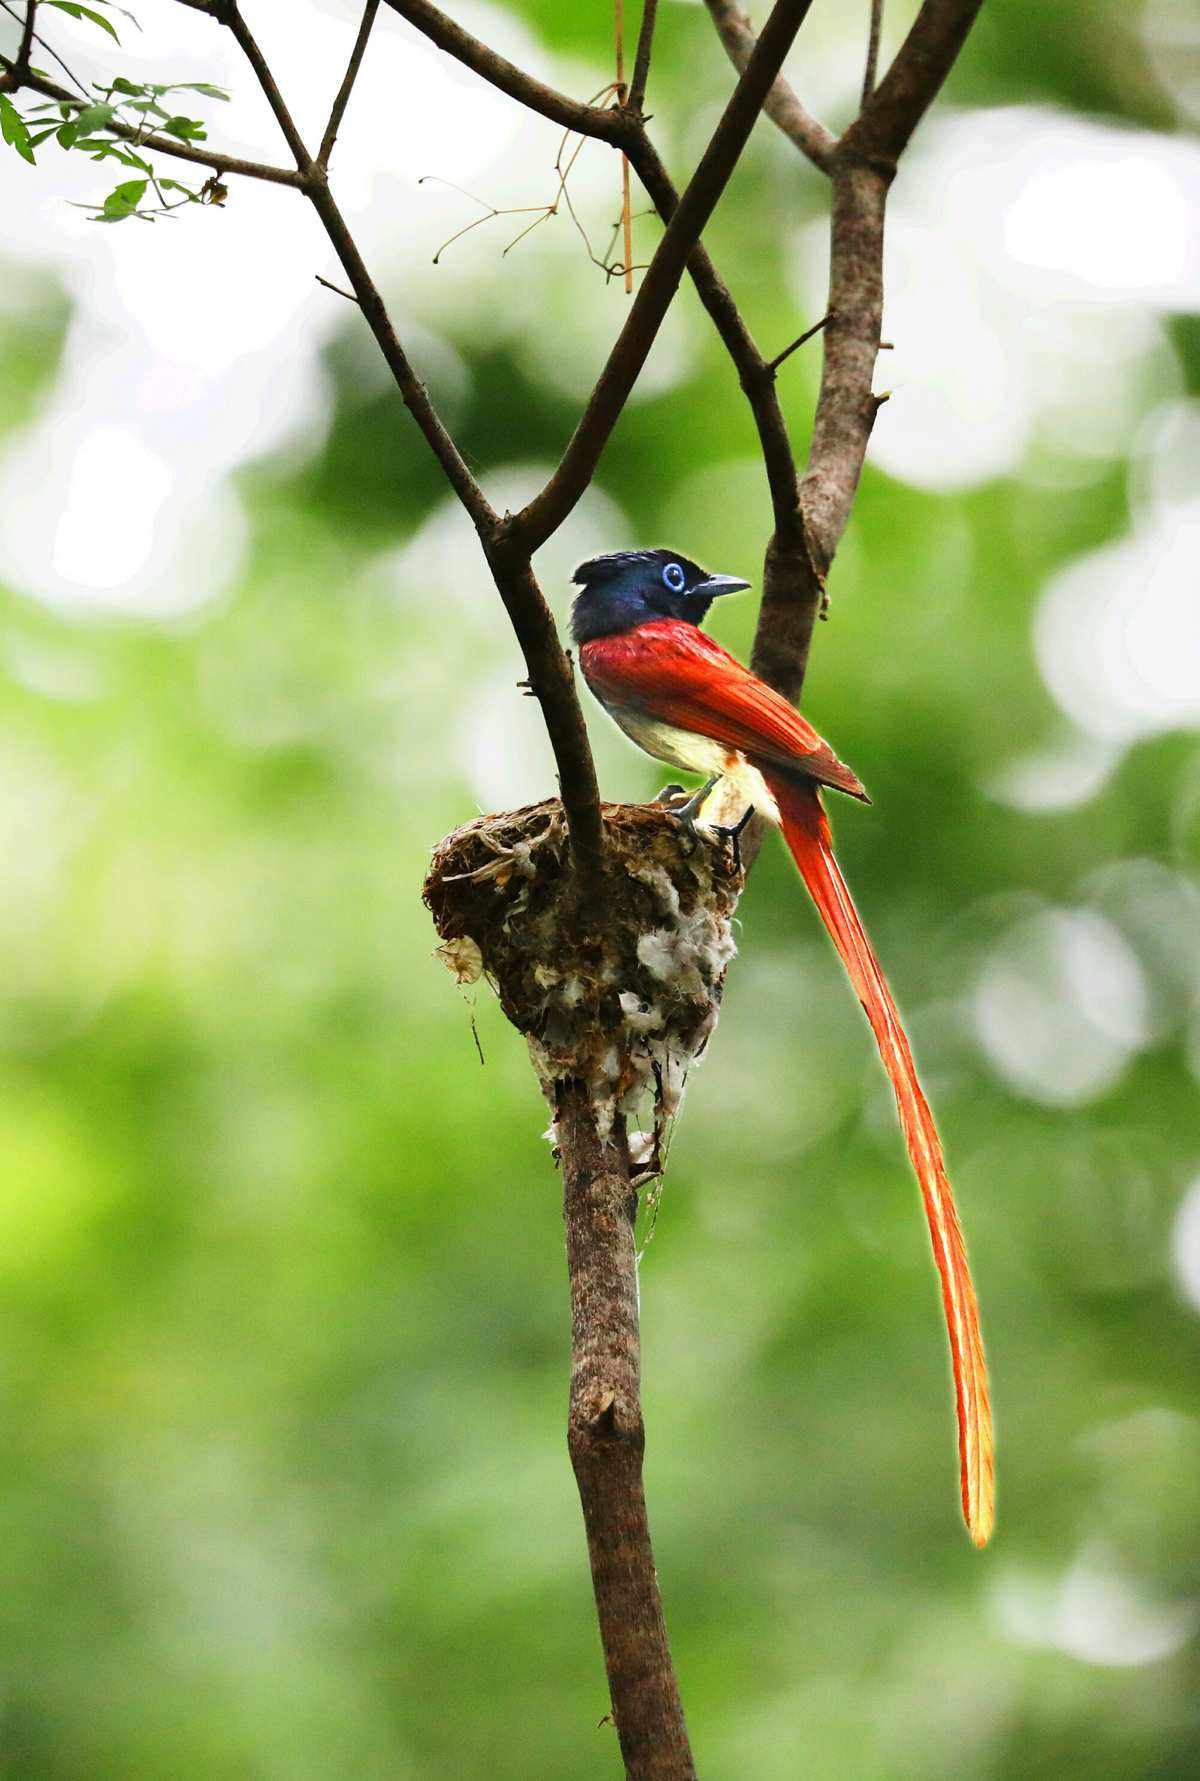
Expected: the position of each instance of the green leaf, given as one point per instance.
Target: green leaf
(85, 12)
(129, 87)
(93, 117)
(122, 201)
(188, 129)
(14, 129)
(127, 158)
(198, 86)
(41, 136)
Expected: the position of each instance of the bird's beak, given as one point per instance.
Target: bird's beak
(715, 585)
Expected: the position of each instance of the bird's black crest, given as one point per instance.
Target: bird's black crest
(618, 562)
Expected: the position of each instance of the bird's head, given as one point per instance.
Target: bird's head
(630, 587)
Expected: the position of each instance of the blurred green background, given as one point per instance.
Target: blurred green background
(283, 1321)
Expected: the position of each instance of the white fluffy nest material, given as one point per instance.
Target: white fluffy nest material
(620, 989)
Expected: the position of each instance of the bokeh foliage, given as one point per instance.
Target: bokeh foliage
(284, 1321)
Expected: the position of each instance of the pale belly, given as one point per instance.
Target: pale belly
(740, 783)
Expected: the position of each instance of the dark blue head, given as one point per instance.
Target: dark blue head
(631, 586)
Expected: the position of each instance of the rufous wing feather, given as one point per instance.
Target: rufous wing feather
(806, 830)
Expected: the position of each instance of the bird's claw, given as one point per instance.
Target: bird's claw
(733, 835)
(685, 814)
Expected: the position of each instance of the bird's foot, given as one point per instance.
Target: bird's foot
(734, 835)
(685, 814)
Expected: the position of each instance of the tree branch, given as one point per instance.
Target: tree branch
(586, 120)
(753, 370)
(230, 16)
(26, 44)
(347, 87)
(863, 166)
(549, 672)
(641, 60)
(914, 79)
(546, 512)
(606, 1439)
(782, 106)
(162, 145)
(873, 35)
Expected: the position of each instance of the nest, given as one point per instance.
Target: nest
(619, 988)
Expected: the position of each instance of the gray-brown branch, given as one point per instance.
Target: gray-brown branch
(783, 107)
(606, 1439)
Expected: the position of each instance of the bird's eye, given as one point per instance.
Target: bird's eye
(674, 577)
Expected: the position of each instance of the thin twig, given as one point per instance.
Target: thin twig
(751, 367)
(22, 64)
(641, 59)
(862, 165)
(347, 87)
(546, 512)
(164, 145)
(335, 288)
(609, 125)
(550, 673)
(244, 38)
(782, 106)
(914, 79)
(26, 43)
(773, 365)
(868, 86)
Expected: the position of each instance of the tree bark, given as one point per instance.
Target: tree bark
(606, 1439)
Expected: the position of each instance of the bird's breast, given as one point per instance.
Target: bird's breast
(698, 754)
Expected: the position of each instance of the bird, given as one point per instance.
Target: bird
(683, 699)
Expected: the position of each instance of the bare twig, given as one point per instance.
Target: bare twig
(782, 106)
(774, 364)
(230, 16)
(347, 87)
(335, 288)
(26, 43)
(546, 512)
(29, 79)
(550, 673)
(869, 72)
(739, 343)
(862, 165)
(914, 79)
(609, 125)
(641, 59)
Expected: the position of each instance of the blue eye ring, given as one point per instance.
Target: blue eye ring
(674, 578)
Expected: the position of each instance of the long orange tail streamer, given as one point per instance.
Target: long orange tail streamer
(806, 830)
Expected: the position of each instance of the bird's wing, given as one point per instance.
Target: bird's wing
(676, 673)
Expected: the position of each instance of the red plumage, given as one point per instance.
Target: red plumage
(668, 673)
(677, 674)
